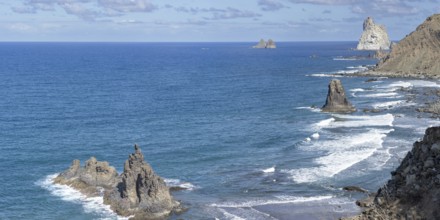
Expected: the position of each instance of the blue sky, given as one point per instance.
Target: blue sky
(206, 20)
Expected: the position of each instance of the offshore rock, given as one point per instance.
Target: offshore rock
(88, 178)
(336, 100)
(270, 44)
(374, 37)
(414, 189)
(417, 55)
(140, 192)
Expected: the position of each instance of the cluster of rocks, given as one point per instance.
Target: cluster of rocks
(414, 189)
(336, 100)
(417, 54)
(374, 37)
(137, 192)
(270, 44)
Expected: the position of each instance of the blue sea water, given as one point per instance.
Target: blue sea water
(233, 125)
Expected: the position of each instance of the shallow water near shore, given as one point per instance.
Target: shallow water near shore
(233, 125)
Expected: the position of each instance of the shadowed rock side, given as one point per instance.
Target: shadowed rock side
(374, 37)
(138, 192)
(141, 192)
(414, 189)
(336, 99)
(271, 44)
(417, 55)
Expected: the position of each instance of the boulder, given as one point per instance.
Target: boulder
(336, 100)
(374, 37)
(140, 192)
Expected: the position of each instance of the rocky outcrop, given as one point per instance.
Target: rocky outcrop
(417, 55)
(137, 192)
(87, 179)
(141, 192)
(414, 189)
(270, 44)
(336, 100)
(374, 37)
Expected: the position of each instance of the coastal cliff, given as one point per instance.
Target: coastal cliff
(414, 189)
(417, 55)
(138, 192)
(374, 37)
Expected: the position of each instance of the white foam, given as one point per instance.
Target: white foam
(341, 58)
(310, 108)
(325, 75)
(325, 123)
(339, 121)
(269, 170)
(307, 139)
(93, 205)
(342, 153)
(357, 90)
(179, 183)
(278, 200)
(315, 136)
(384, 94)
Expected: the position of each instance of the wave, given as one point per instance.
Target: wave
(93, 205)
(310, 108)
(379, 95)
(357, 90)
(341, 153)
(269, 170)
(325, 75)
(179, 183)
(278, 200)
(340, 121)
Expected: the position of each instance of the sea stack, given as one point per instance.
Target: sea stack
(374, 37)
(137, 192)
(270, 44)
(414, 189)
(417, 55)
(140, 192)
(336, 100)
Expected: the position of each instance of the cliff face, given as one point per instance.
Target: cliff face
(414, 189)
(374, 37)
(417, 54)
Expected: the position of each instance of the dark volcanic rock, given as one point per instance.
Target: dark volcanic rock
(86, 179)
(414, 189)
(141, 192)
(336, 99)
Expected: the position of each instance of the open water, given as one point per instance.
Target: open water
(231, 124)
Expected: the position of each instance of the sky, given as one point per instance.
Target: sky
(206, 20)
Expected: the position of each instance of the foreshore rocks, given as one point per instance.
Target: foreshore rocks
(414, 189)
(417, 55)
(336, 100)
(270, 44)
(138, 192)
(374, 37)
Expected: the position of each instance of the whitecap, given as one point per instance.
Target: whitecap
(179, 183)
(357, 90)
(379, 95)
(269, 170)
(312, 109)
(325, 123)
(284, 199)
(94, 204)
(315, 136)
(325, 75)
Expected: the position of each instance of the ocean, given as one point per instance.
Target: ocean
(235, 126)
